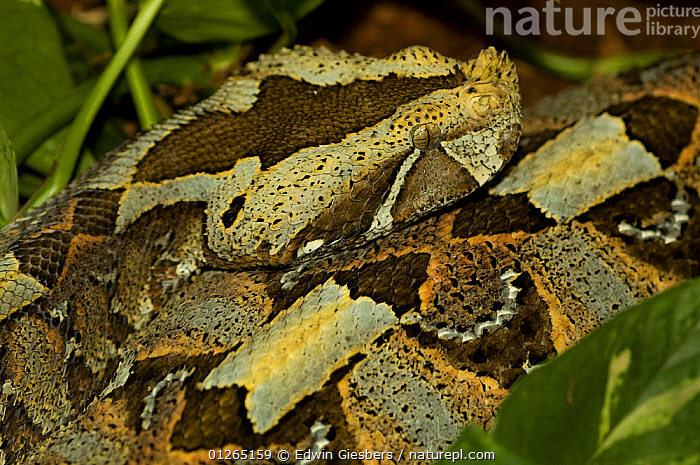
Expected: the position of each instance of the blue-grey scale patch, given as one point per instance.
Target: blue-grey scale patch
(582, 167)
(396, 392)
(298, 351)
(574, 259)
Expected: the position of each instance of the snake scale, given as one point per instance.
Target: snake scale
(308, 260)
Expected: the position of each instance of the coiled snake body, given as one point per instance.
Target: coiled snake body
(307, 260)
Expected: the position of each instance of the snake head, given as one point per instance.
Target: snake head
(310, 150)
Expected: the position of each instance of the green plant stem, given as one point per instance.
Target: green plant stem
(286, 22)
(135, 76)
(64, 168)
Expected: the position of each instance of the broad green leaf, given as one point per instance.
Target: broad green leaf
(95, 41)
(8, 181)
(44, 156)
(227, 20)
(33, 71)
(629, 393)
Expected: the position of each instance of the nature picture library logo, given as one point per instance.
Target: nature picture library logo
(653, 21)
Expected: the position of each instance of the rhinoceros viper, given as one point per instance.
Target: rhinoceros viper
(308, 259)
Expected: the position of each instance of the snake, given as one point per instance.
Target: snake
(339, 254)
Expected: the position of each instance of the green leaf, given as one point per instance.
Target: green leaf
(9, 193)
(28, 184)
(227, 20)
(91, 39)
(34, 72)
(474, 440)
(629, 393)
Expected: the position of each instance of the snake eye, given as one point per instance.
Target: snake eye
(425, 136)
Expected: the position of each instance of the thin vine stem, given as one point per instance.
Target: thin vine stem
(135, 76)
